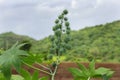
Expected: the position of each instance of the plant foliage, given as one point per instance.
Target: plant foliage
(84, 73)
(11, 58)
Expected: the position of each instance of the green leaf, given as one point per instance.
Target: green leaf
(110, 74)
(38, 58)
(44, 78)
(25, 74)
(11, 58)
(35, 75)
(6, 72)
(105, 77)
(2, 76)
(92, 68)
(31, 58)
(76, 72)
(101, 71)
(17, 77)
(84, 70)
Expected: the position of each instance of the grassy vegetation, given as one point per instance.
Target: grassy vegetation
(100, 42)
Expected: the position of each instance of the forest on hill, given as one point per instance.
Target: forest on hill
(101, 42)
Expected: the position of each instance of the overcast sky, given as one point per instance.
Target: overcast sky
(35, 18)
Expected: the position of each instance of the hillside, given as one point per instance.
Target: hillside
(9, 38)
(100, 42)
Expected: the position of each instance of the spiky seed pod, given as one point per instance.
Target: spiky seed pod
(68, 46)
(52, 46)
(54, 64)
(65, 18)
(56, 41)
(50, 56)
(56, 47)
(52, 38)
(57, 26)
(61, 16)
(67, 23)
(67, 31)
(52, 50)
(67, 39)
(65, 12)
(63, 30)
(61, 50)
(56, 21)
(60, 26)
(58, 33)
(67, 27)
(54, 28)
(63, 45)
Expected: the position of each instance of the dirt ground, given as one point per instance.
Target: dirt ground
(64, 74)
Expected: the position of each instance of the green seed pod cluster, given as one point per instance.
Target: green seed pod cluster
(61, 16)
(65, 12)
(51, 38)
(67, 39)
(54, 28)
(52, 50)
(50, 56)
(56, 21)
(67, 24)
(68, 46)
(65, 18)
(60, 39)
(67, 31)
(67, 27)
(62, 50)
(58, 33)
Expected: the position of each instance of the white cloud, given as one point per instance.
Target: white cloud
(98, 3)
(46, 7)
(2, 1)
(74, 4)
(101, 3)
(36, 17)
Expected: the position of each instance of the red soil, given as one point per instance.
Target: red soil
(64, 74)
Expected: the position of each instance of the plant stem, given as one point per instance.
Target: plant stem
(88, 78)
(56, 67)
(37, 69)
(44, 67)
(53, 75)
